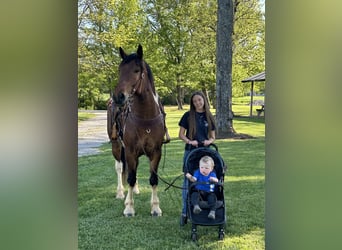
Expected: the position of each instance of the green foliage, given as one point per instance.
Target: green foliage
(179, 41)
(249, 46)
(103, 27)
(102, 225)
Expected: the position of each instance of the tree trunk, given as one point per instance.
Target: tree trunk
(179, 97)
(224, 117)
(206, 93)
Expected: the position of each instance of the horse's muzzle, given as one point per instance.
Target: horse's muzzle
(119, 99)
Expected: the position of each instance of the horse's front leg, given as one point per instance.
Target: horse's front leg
(155, 209)
(129, 202)
(120, 193)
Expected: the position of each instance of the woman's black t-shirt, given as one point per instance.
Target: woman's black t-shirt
(201, 126)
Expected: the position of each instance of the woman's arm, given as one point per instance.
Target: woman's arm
(211, 138)
(182, 135)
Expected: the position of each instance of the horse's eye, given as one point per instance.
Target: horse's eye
(136, 71)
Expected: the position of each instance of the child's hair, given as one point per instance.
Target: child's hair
(207, 159)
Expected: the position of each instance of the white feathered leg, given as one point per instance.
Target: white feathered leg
(120, 193)
(129, 203)
(155, 209)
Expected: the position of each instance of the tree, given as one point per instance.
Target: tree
(181, 27)
(104, 26)
(248, 44)
(179, 40)
(169, 22)
(225, 22)
(243, 36)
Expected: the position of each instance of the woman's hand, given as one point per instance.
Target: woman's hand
(194, 143)
(208, 142)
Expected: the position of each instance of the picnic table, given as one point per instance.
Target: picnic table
(261, 110)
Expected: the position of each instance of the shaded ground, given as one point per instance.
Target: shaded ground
(92, 133)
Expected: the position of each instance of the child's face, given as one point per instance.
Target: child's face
(205, 168)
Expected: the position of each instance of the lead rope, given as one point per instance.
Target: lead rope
(169, 184)
(162, 179)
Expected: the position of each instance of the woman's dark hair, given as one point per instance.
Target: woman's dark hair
(192, 114)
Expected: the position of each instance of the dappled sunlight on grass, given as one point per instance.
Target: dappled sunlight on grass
(103, 226)
(254, 239)
(246, 178)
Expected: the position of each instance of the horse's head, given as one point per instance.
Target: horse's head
(132, 73)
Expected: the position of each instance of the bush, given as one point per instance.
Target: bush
(100, 105)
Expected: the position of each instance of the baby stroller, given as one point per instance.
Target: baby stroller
(191, 164)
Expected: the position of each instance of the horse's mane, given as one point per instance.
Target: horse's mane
(140, 63)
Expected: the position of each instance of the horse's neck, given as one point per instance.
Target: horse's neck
(146, 105)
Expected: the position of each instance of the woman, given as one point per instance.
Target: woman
(196, 129)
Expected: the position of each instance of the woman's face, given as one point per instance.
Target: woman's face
(198, 102)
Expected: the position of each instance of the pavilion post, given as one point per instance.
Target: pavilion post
(251, 106)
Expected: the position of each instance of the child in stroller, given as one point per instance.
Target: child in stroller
(203, 175)
(203, 216)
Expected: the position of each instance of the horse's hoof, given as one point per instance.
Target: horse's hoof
(129, 215)
(120, 196)
(136, 191)
(155, 214)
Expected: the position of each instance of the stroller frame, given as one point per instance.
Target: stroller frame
(191, 164)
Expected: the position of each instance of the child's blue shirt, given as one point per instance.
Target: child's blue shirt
(202, 178)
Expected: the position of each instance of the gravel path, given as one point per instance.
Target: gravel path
(92, 133)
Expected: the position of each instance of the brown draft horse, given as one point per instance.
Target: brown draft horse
(136, 126)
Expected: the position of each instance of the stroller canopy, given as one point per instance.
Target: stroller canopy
(192, 161)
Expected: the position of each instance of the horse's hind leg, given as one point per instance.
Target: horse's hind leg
(120, 193)
(136, 188)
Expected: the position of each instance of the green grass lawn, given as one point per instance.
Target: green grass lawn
(102, 225)
(84, 116)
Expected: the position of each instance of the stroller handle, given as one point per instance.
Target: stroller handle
(201, 144)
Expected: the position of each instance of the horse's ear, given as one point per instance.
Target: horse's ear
(140, 51)
(122, 53)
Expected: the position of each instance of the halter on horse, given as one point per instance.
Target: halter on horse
(136, 126)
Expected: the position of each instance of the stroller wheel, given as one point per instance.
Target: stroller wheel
(221, 234)
(194, 236)
(194, 232)
(183, 220)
